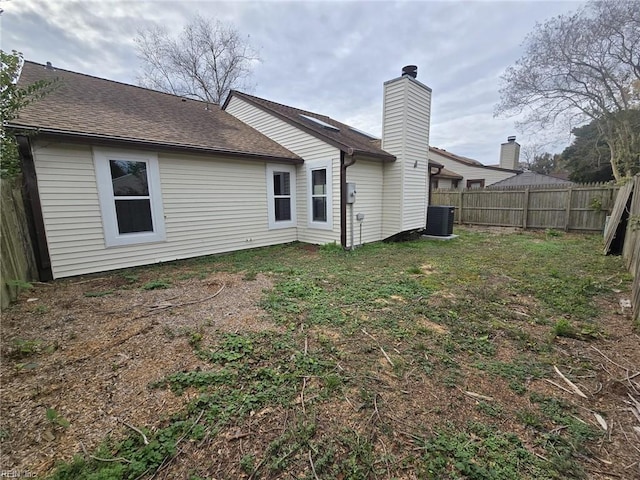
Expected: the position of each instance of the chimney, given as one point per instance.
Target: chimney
(510, 154)
(406, 118)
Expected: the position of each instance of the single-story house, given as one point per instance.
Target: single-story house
(462, 172)
(119, 176)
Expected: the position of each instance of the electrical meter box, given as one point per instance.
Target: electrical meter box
(351, 193)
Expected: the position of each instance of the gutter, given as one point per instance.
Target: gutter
(33, 210)
(104, 140)
(344, 164)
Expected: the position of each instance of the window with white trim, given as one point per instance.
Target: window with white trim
(281, 196)
(319, 188)
(130, 198)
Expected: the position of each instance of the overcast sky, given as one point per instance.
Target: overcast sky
(327, 57)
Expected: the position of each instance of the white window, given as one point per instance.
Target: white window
(130, 198)
(319, 179)
(281, 196)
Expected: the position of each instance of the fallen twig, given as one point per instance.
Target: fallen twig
(477, 396)
(375, 406)
(255, 470)
(558, 385)
(611, 361)
(160, 308)
(386, 356)
(304, 384)
(144, 437)
(604, 473)
(99, 459)
(635, 414)
(601, 421)
(313, 468)
(635, 402)
(349, 402)
(369, 335)
(379, 346)
(573, 386)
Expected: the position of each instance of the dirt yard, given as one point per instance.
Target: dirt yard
(80, 354)
(91, 358)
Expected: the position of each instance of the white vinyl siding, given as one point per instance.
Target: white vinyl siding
(211, 205)
(443, 183)
(393, 142)
(307, 147)
(367, 175)
(471, 172)
(406, 114)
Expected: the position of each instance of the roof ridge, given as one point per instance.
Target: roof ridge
(299, 110)
(120, 83)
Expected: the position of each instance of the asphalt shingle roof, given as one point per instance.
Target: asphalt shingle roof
(468, 161)
(346, 138)
(86, 106)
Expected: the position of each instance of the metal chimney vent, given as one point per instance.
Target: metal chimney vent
(410, 70)
(512, 138)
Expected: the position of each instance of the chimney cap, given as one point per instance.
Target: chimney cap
(511, 138)
(410, 70)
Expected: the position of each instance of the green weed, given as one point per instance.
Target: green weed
(156, 284)
(56, 419)
(20, 284)
(25, 348)
(478, 451)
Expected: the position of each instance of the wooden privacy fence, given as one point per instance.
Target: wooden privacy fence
(631, 249)
(622, 235)
(576, 207)
(17, 263)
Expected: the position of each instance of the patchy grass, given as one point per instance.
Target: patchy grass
(368, 373)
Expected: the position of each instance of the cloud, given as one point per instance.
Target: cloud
(327, 57)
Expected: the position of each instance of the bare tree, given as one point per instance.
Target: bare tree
(583, 67)
(204, 62)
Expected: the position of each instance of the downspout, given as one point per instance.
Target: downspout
(344, 164)
(430, 174)
(33, 209)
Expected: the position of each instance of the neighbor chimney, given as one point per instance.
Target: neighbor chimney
(510, 154)
(405, 133)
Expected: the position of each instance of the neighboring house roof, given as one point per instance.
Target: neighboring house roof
(560, 175)
(445, 173)
(468, 161)
(86, 107)
(530, 178)
(340, 135)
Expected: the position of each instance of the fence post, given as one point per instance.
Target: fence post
(525, 208)
(567, 213)
(460, 216)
